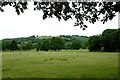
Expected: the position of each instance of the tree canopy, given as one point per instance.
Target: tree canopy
(108, 41)
(45, 42)
(45, 45)
(80, 11)
(57, 43)
(13, 46)
(76, 45)
(5, 45)
(94, 43)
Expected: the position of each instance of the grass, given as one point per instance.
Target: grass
(44, 37)
(62, 64)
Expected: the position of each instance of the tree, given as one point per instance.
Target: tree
(76, 45)
(117, 34)
(38, 46)
(5, 45)
(68, 45)
(94, 43)
(85, 45)
(57, 43)
(45, 45)
(110, 40)
(26, 46)
(81, 11)
(13, 45)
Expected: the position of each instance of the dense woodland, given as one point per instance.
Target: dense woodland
(108, 41)
(46, 43)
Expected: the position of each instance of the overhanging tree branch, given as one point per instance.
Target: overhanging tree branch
(81, 11)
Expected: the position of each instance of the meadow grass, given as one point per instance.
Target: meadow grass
(62, 64)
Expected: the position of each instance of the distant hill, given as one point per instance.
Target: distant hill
(39, 39)
(82, 39)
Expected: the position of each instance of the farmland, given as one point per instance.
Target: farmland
(62, 64)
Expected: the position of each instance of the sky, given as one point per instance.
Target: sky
(31, 23)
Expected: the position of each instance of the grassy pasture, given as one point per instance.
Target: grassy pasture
(62, 64)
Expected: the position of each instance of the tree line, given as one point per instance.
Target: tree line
(55, 43)
(108, 41)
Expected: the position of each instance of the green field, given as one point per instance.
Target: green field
(62, 64)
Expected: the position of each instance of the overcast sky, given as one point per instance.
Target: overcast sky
(31, 23)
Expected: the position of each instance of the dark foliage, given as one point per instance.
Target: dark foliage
(57, 43)
(5, 45)
(45, 45)
(32, 42)
(76, 45)
(94, 43)
(26, 46)
(38, 46)
(13, 46)
(110, 40)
